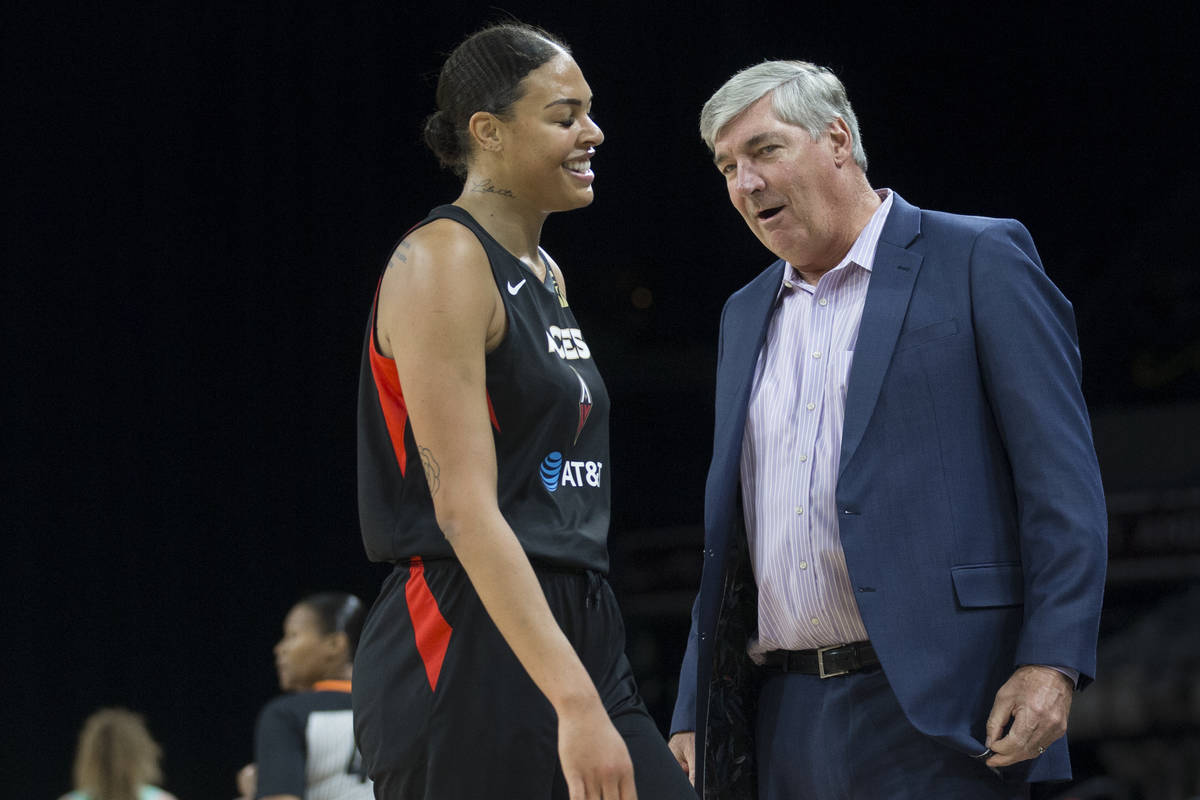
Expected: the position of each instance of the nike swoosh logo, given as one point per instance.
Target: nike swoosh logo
(514, 289)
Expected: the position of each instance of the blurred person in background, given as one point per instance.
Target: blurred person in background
(304, 741)
(117, 759)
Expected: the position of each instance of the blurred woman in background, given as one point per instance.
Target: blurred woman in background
(304, 741)
(117, 759)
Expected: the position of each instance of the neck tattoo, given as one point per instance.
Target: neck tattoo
(485, 186)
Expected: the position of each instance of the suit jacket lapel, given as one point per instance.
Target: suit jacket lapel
(892, 278)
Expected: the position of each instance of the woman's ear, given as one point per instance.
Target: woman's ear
(486, 131)
(339, 644)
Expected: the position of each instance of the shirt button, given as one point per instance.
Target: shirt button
(817, 354)
(815, 621)
(823, 301)
(811, 406)
(799, 510)
(803, 565)
(803, 458)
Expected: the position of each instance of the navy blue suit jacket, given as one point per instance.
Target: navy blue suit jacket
(969, 499)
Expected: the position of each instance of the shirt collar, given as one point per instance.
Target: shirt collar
(331, 686)
(862, 252)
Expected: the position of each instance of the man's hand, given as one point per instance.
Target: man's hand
(594, 758)
(1038, 701)
(683, 747)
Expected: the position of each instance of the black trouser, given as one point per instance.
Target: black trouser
(452, 714)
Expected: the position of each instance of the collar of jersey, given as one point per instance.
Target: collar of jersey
(331, 686)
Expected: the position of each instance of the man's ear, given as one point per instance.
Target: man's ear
(487, 131)
(841, 140)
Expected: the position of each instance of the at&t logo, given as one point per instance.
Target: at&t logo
(556, 472)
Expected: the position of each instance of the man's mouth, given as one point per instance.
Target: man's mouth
(767, 213)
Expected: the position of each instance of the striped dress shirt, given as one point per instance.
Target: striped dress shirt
(789, 459)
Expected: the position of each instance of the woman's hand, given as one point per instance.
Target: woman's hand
(594, 758)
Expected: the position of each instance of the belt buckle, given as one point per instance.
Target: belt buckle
(821, 651)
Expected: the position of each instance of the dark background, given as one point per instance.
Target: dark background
(202, 195)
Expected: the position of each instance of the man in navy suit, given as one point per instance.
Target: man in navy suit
(905, 531)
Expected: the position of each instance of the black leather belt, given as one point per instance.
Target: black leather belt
(828, 662)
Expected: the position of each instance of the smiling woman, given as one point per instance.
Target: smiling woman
(484, 469)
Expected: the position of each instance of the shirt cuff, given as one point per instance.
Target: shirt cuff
(1073, 674)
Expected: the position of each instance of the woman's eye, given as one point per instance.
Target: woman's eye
(566, 123)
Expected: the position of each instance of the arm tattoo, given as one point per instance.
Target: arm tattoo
(485, 186)
(400, 255)
(432, 470)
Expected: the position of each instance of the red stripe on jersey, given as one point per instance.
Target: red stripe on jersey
(492, 414)
(431, 628)
(391, 397)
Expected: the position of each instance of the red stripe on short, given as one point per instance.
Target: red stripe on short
(431, 628)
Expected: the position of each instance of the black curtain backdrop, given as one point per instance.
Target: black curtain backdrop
(201, 197)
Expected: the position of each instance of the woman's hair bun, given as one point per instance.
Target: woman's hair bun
(442, 138)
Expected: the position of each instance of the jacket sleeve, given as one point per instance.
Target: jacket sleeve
(1029, 358)
(684, 716)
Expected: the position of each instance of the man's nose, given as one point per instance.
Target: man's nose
(748, 181)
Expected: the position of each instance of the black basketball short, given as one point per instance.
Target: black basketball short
(443, 709)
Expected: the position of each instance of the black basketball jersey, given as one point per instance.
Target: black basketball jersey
(549, 413)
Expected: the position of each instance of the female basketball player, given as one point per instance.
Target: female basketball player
(492, 664)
